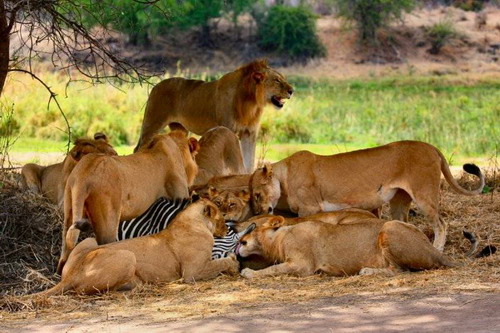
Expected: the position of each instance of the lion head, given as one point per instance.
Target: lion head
(85, 146)
(265, 190)
(188, 148)
(266, 84)
(233, 204)
(251, 243)
(213, 218)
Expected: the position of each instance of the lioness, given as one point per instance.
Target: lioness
(183, 250)
(219, 155)
(398, 173)
(365, 246)
(233, 204)
(50, 180)
(231, 182)
(110, 189)
(235, 101)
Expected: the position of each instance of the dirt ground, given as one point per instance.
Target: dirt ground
(462, 312)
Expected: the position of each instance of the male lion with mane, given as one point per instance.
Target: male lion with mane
(235, 101)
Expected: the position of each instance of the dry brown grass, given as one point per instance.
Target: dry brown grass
(172, 301)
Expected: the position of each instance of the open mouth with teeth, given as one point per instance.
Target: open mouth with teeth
(277, 101)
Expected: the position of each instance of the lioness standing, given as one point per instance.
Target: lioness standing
(235, 101)
(110, 189)
(398, 173)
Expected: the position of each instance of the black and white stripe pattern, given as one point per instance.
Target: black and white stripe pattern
(152, 221)
(160, 214)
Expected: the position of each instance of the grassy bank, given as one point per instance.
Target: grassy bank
(457, 114)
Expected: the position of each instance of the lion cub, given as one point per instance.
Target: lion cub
(363, 246)
(397, 173)
(182, 251)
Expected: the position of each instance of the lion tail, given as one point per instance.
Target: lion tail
(58, 289)
(488, 250)
(469, 168)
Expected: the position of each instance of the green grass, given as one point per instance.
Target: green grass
(268, 152)
(459, 115)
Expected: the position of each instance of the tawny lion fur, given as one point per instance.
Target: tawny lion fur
(362, 246)
(110, 189)
(182, 251)
(398, 173)
(219, 155)
(235, 101)
(50, 180)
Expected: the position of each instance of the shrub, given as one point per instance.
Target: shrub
(439, 34)
(370, 15)
(470, 5)
(291, 31)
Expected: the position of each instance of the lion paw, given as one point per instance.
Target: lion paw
(366, 271)
(248, 273)
(234, 267)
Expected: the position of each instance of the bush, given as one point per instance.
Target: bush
(291, 31)
(470, 5)
(370, 15)
(439, 34)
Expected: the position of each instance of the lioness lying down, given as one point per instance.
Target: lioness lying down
(183, 250)
(50, 180)
(397, 173)
(365, 246)
(110, 189)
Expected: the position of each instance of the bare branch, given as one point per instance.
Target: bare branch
(53, 96)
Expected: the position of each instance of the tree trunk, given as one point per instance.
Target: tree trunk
(4, 45)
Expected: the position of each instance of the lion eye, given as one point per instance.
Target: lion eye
(243, 242)
(232, 204)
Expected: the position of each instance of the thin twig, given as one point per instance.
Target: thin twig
(53, 96)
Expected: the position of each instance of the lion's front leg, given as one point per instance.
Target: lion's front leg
(280, 269)
(213, 268)
(248, 140)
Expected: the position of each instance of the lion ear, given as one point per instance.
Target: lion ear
(210, 211)
(212, 192)
(100, 136)
(277, 221)
(76, 154)
(258, 77)
(194, 146)
(267, 171)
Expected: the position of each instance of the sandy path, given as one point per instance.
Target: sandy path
(477, 312)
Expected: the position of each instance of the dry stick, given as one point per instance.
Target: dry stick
(52, 97)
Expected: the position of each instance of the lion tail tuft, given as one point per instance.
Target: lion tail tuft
(472, 169)
(487, 251)
(83, 225)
